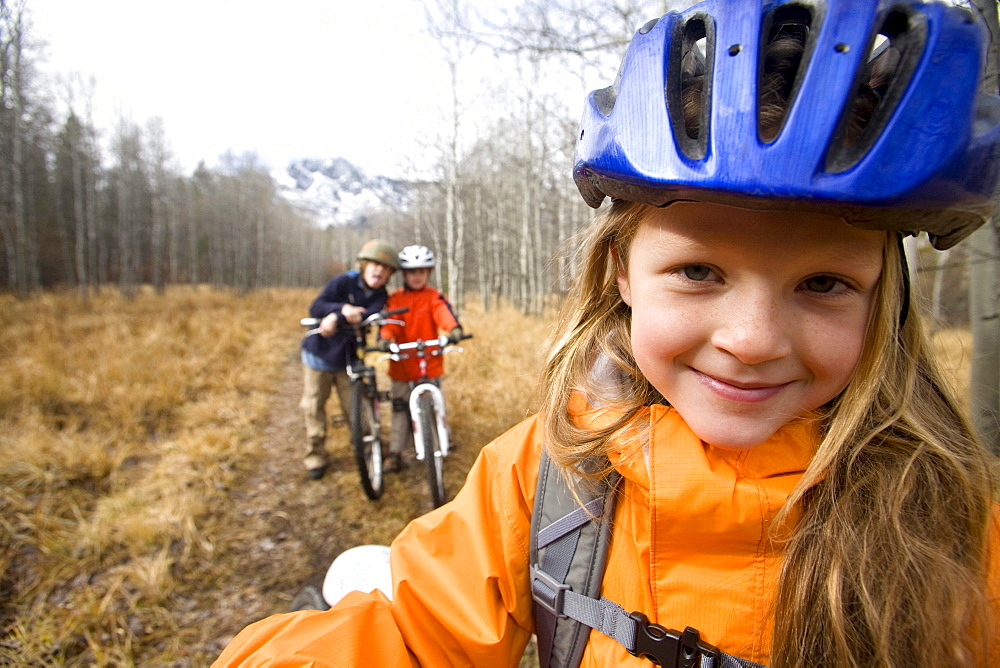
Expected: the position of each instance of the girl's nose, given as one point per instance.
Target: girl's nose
(753, 328)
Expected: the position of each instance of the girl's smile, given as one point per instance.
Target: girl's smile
(746, 392)
(745, 320)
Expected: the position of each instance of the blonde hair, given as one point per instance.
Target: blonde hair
(887, 565)
(594, 326)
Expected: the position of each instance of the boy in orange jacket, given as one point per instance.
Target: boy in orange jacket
(429, 311)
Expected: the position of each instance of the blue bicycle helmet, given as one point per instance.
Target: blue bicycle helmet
(924, 157)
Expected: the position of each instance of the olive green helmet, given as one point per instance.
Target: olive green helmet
(379, 251)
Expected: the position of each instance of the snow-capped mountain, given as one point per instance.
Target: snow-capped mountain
(338, 192)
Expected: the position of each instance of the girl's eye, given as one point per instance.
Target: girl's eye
(823, 284)
(697, 272)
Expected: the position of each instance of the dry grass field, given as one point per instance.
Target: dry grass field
(152, 498)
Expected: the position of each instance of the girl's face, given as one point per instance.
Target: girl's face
(744, 320)
(416, 279)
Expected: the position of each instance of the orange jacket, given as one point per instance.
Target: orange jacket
(429, 313)
(689, 548)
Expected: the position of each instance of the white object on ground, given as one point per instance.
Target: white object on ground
(362, 568)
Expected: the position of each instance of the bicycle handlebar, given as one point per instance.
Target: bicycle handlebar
(380, 315)
(419, 345)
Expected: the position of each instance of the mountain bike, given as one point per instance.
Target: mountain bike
(427, 410)
(364, 413)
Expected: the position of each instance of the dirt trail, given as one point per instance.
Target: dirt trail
(281, 530)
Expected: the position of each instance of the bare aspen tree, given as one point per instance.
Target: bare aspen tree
(444, 20)
(483, 217)
(14, 217)
(91, 172)
(31, 149)
(77, 166)
(452, 209)
(157, 154)
(510, 278)
(526, 288)
(439, 232)
(200, 192)
(69, 181)
(77, 181)
(937, 288)
(984, 281)
(6, 144)
(985, 320)
(131, 186)
(174, 226)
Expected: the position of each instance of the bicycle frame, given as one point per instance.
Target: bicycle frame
(424, 350)
(430, 434)
(364, 412)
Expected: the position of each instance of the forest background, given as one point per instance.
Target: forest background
(85, 207)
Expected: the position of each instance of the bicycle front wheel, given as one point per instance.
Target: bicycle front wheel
(366, 437)
(433, 458)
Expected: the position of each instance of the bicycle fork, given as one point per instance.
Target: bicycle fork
(377, 396)
(415, 413)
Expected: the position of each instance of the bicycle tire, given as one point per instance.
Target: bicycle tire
(432, 450)
(366, 438)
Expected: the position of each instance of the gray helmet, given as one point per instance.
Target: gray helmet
(379, 251)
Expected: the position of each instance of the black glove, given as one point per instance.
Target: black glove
(455, 335)
(383, 345)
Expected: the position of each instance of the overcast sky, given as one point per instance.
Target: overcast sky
(299, 78)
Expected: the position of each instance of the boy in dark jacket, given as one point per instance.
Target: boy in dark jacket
(345, 301)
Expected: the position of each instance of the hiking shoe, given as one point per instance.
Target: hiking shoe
(393, 463)
(316, 473)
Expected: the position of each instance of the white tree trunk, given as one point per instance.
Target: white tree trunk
(984, 292)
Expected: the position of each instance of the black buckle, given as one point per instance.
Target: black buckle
(558, 588)
(670, 648)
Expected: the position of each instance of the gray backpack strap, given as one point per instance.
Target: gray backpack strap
(569, 550)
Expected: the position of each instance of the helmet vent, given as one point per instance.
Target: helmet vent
(786, 32)
(893, 55)
(689, 83)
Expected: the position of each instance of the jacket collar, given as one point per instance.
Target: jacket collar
(663, 435)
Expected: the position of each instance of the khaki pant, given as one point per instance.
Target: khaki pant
(316, 391)
(402, 430)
